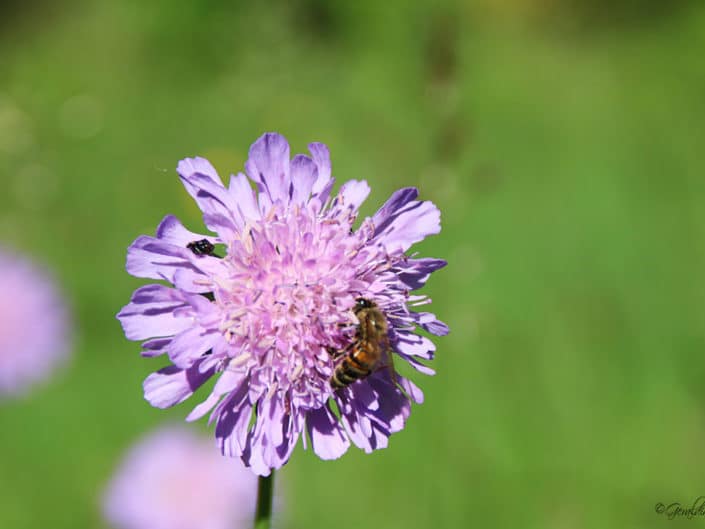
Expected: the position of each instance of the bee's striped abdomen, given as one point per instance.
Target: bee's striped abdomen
(352, 368)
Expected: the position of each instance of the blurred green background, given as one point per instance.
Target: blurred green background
(563, 143)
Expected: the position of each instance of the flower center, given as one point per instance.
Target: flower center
(289, 294)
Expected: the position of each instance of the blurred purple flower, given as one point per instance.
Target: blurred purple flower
(264, 317)
(34, 324)
(173, 479)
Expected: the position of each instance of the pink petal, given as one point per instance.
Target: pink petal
(328, 438)
(354, 193)
(304, 173)
(151, 313)
(412, 344)
(171, 385)
(189, 345)
(155, 259)
(245, 198)
(268, 165)
(321, 157)
(403, 221)
(429, 323)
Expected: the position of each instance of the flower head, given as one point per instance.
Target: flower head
(173, 479)
(34, 324)
(277, 313)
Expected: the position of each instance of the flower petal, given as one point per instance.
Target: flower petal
(190, 345)
(253, 452)
(268, 166)
(353, 193)
(170, 230)
(274, 441)
(328, 439)
(429, 323)
(411, 389)
(227, 382)
(363, 432)
(204, 407)
(197, 165)
(153, 312)
(417, 365)
(167, 256)
(321, 157)
(304, 173)
(394, 407)
(402, 221)
(415, 272)
(233, 417)
(293, 426)
(245, 198)
(156, 347)
(205, 186)
(171, 385)
(412, 344)
(155, 259)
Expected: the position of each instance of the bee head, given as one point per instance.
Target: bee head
(362, 303)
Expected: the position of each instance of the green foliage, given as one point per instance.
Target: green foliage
(569, 171)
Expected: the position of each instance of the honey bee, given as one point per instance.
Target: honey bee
(370, 345)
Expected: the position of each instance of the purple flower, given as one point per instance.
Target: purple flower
(173, 479)
(34, 325)
(273, 317)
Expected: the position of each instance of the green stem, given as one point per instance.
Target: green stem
(263, 515)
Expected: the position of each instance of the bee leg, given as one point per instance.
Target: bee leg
(337, 353)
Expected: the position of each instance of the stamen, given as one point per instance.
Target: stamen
(239, 360)
(272, 390)
(296, 373)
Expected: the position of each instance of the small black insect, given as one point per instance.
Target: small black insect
(202, 247)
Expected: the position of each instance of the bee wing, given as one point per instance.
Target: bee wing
(387, 359)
